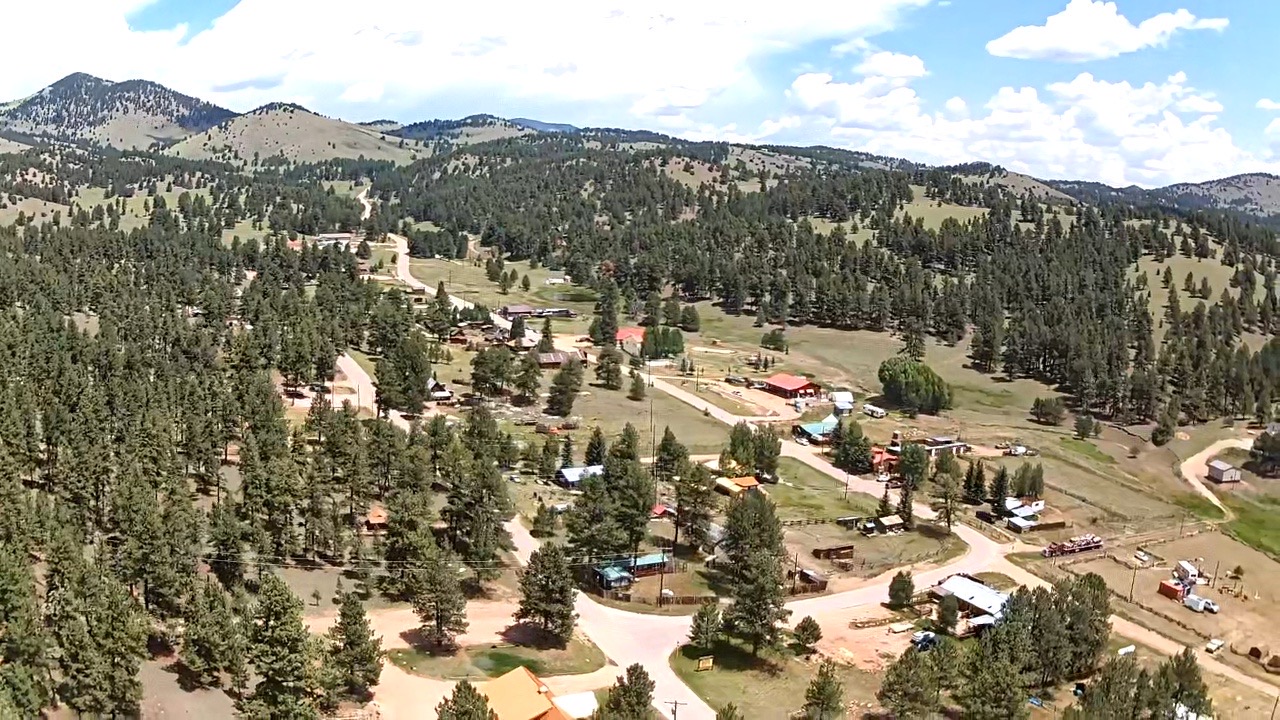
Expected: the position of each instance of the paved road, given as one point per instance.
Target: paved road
(1196, 468)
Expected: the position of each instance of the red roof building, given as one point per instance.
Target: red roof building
(629, 334)
(790, 386)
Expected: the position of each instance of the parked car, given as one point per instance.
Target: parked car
(924, 636)
(1214, 646)
(801, 441)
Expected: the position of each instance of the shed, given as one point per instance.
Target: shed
(514, 311)
(555, 359)
(647, 564)
(889, 523)
(376, 519)
(790, 386)
(1021, 524)
(571, 477)
(610, 577)
(1223, 472)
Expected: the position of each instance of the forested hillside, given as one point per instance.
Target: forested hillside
(1047, 290)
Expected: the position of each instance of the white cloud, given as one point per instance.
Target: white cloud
(1115, 132)
(1095, 30)
(1267, 104)
(892, 65)
(658, 58)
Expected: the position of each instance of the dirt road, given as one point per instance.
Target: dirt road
(1195, 469)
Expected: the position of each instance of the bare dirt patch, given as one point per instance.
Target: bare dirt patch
(870, 648)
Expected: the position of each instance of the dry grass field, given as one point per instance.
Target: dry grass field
(37, 211)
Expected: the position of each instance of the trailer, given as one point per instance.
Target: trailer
(1172, 590)
(1077, 544)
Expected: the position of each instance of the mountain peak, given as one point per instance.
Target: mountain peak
(131, 114)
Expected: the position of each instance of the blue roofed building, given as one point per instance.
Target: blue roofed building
(816, 432)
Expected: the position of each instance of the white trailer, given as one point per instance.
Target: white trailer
(873, 411)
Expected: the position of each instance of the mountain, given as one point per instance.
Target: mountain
(295, 133)
(128, 115)
(466, 131)
(1253, 195)
(545, 127)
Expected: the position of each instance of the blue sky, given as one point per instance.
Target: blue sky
(1136, 91)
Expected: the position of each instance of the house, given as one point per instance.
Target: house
(1223, 472)
(521, 695)
(557, 358)
(571, 477)
(937, 445)
(1020, 524)
(733, 487)
(438, 391)
(790, 386)
(1023, 507)
(890, 523)
(375, 521)
(511, 312)
(975, 598)
(883, 461)
(816, 432)
(627, 335)
(843, 400)
(524, 344)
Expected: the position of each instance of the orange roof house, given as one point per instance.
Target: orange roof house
(790, 386)
(629, 334)
(521, 695)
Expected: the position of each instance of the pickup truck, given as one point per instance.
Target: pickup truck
(1200, 604)
(1214, 646)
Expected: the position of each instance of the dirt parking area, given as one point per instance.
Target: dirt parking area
(1250, 604)
(872, 648)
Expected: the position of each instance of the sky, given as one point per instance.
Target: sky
(1145, 92)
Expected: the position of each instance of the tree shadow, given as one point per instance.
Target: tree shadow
(527, 634)
(423, 644)
(732, 657)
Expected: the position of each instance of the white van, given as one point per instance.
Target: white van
(873, 411)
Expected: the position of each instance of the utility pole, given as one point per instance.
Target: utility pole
(795, 574)
(846, 484)
(675, 707)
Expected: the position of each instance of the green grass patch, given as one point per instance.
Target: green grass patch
(1087, 449)
(804, 492)
(1255, 522)
(770, 686)
(999, 581)
(482, 662)
(1197, 505)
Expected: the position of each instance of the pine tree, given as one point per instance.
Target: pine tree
(278, 648)
(975, 483)
(949, 494)
(546, 338)
(885, 508)
(910, 686)
(824, 698)
(705, 629)
(438, 598)
(695, 504)
(597, 447)
(466, 703)
(564, 388)
(671, 457)
(901, 589)
(638, 385)
(24, 641)
(906, 505)
(729, 712)
(355, 655)
(528, 378)
(609, 369)
(631, 698)
(203, 642)
(753, 544)
(547, 593)
(808, 632)
(1000, 489)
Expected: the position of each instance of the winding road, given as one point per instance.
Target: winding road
(649, 640)
(1196, 468)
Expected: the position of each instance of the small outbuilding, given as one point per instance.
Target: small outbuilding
(843, 400)
(1223, 472)
(890, 523)
(733, 487)
(512, 312)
